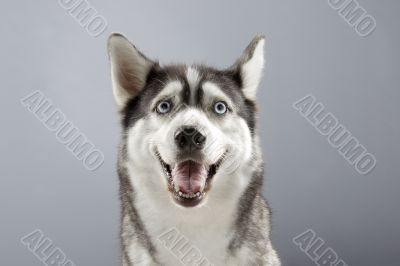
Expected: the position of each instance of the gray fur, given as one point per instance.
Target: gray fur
(134, 228)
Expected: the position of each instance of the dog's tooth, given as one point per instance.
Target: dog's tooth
(198, 194)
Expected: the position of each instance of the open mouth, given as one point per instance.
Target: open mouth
(189, 181)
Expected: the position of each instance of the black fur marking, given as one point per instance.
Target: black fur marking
(186, 94)
(228, 80)
(199, 96)
(138, 107)
(249, 115)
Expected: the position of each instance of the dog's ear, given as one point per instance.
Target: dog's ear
(129, 68)
(250, 65)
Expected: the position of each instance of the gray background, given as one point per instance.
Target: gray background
(309, 49)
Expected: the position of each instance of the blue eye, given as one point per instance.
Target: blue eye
(163, 107)
(220, 108)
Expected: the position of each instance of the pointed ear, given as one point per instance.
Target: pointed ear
(129, 68)
(250, 66)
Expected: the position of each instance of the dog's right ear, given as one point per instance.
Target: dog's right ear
(129, 68)
(250, 67)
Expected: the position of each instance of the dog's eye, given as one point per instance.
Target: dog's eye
(163, 107)
(220, 108)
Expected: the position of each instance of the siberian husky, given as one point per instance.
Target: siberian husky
(190, 165)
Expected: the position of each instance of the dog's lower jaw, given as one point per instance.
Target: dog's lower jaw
(217, 230)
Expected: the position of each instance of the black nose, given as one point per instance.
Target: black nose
(189, 138)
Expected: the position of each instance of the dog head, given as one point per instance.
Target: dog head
(188, 130)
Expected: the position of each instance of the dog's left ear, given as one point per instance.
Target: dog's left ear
(129, 68)
(250, 66)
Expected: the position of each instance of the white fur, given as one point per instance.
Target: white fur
(171, 91)
(252, 70)
(193, 78)
(213, 92)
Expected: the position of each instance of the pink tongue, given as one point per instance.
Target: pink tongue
(189, 177)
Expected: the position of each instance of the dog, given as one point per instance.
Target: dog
(189, 164)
